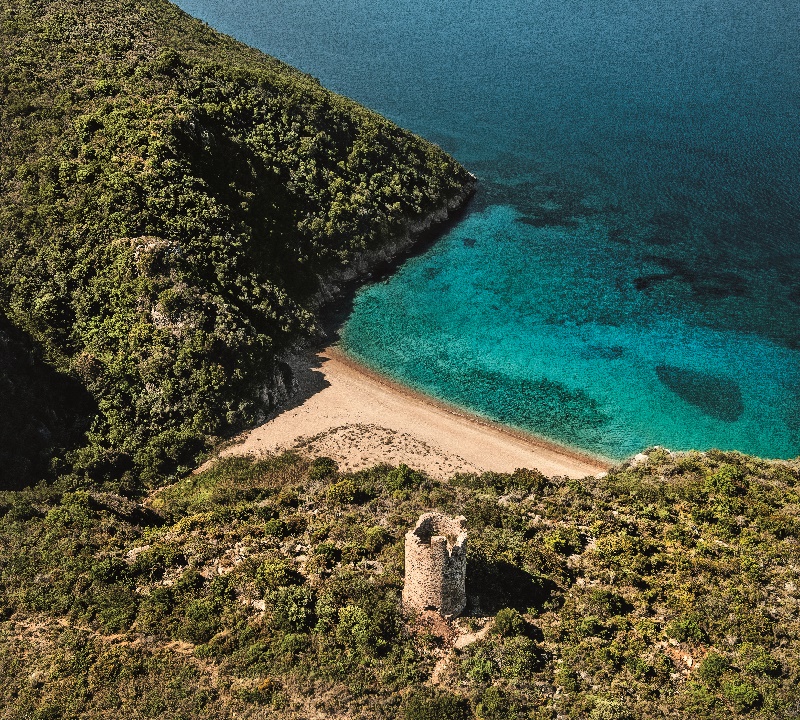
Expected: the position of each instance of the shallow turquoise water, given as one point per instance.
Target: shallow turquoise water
(629, 273)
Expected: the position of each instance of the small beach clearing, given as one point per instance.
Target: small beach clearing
(360, 418)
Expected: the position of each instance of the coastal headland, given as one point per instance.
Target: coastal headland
(358, 417)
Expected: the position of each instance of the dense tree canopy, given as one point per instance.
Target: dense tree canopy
(169, 201)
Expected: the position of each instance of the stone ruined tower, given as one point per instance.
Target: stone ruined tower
(436, 564)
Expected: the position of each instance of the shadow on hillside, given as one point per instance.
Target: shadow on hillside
(43, 412)
(492, 586)
(305, 372)
(307, 368)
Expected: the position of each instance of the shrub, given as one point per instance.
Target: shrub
(276, 573)
(712, 667)
(117, 607)
(155, 609)
(342, 493)
(686, 629)
(294, 643)
(509, 622)
(658, 455)
(727, 481)
(275, 528)
(21, 510)
(296, 524)
(761, 662)
(624, 551)
(518, 657)
(221, 590)
(495, 705)
(109, 570)
(75, 511)
(190, 581)
(609, 710)
(153, 562)
(291, 607)
(699, 699)
(288, 497)
(565, 541)
(530, 481)
(436, 705)
(567, 678)
(352, 554)
(478, 664)
(327, 554)
(402, 478)
(49, 711)
(688, 463)
(606, 602)
(590, 626)
(484, 513)
(639, 667)
(355, 629)
(742, 695)
(200, 623)
(322, 468)
(375, 538)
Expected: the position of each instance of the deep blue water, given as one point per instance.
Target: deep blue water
(629, 272)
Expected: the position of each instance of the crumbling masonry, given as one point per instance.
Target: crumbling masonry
(436, 565)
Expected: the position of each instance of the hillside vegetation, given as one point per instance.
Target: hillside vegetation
(271, 589)
(169, 199)
(173, 205)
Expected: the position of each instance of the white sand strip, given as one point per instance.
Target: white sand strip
(360, 418)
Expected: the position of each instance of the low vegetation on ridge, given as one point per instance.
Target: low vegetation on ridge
(272, 589)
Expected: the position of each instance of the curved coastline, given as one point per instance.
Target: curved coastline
(536, 441)
(361, 418)
(334, 404)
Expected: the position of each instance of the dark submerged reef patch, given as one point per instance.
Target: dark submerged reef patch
(706, 281)
(604, 352)
(542, 405)
(719, 397)
(669, 227)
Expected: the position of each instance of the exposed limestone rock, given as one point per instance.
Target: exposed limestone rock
(363, 265)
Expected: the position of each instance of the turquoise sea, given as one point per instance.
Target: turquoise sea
(629, 271)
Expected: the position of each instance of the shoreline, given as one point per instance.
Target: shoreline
(530, 438)
(347, 411)
(339, 407)
(334, 301)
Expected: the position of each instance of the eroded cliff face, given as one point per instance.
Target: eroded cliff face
(367, 263)
(281, 379)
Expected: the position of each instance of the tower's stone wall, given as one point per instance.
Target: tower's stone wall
(436, 565)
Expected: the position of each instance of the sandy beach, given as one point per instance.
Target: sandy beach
(359, 418)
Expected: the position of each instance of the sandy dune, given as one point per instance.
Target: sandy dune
(359, 418)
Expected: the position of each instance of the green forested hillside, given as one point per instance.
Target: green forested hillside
(668, 589)
(168, 200)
